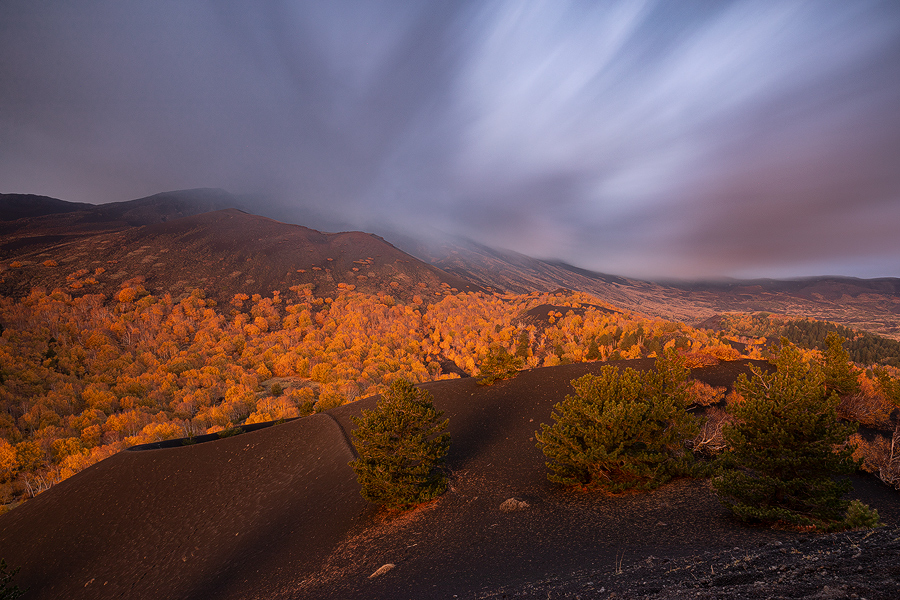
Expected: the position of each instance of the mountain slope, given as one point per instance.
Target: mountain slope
(872, 305)
(223, 253)
(167, 206)
(31, 223)
(23, 206)
(50, 224)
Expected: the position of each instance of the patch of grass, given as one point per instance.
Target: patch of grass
(231, 431)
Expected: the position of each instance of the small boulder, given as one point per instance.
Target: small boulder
(382, 570)
(512, 504)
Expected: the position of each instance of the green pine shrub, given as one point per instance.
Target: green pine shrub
(231, 431)
(622, 429)
(402, 445)
(785, 447)
(861, 516)
(890, 386)
(838, 370)
(523, 345)
(498, 364)
(8, 591)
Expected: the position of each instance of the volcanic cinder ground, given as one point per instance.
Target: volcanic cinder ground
(276, 513)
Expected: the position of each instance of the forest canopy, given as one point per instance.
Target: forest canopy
(82, 378)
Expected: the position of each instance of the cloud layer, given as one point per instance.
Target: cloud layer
(644, 138)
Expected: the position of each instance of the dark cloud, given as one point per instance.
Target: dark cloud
(646, 138)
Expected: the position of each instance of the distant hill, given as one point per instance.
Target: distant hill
(143, 211)
(869, 304)
(23, 206)
(222, 252)
(47, 221)
(53, 230)
(504, 269)
(167, 206)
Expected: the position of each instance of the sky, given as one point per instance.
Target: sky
(655, 139)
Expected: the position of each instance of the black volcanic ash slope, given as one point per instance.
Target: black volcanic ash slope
(276, 513)
(193, 522)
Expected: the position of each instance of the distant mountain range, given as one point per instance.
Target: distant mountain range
(868, 304)
(203, 238)
(243, 509)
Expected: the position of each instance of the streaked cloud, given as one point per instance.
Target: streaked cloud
(676, 139)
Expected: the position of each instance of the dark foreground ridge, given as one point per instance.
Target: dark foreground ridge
(276, 513)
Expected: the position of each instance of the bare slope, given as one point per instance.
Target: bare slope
(223, 252)
(193, 522)
(276, 513)
(23, 206)
(30, 223)
(869, 304)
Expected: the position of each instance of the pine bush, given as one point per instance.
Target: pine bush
(402, 445)
(785, 447)
(8, 591)
(860, 515)
(498, 364)
(838, 371)
(622, 429)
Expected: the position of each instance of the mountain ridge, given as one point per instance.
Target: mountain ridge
(23, 206)
(224, 253)
(869, 304)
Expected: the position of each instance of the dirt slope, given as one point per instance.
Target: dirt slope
(200, 521)
(276, 514)
(222, 252)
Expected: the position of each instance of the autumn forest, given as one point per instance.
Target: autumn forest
(82, 378)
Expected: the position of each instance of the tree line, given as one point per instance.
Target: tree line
(864, 348)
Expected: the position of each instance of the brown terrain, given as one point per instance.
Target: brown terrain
(276, 513)
(175, 245)
(34, 221)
